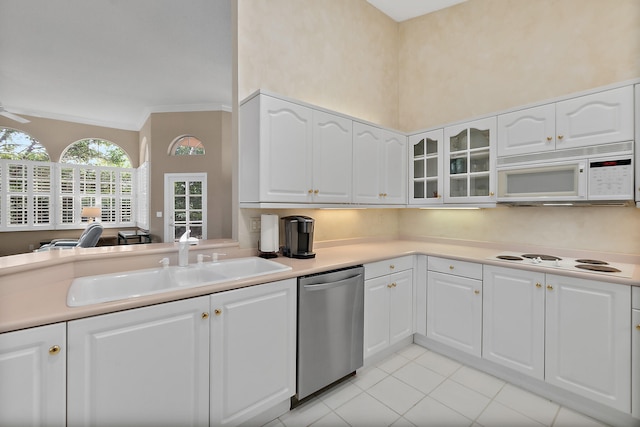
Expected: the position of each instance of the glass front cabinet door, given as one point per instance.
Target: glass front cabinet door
(470, 158)
(426, 185)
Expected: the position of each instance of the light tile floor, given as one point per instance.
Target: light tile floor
(417, 387)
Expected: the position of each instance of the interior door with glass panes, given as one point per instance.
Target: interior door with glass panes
(185, 200)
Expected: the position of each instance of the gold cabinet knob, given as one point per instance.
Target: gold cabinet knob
(316, 191)
(217, 312)
(638, 326)
(550, 287)
(393, 285)
(54, 350)
(491, 193)
(392, 266)
(205, 315)
(389, 286)
(477, 292)
(538, 285)
(451, 267)
(549, 138)
(310, 191)
(384, 194)
(560, 136)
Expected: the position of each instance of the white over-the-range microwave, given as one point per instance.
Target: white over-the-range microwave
(594, 175)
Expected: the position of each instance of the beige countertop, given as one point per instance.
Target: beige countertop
(33, 287)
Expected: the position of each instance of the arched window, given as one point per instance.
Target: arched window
(96, 152)
(186, 145)
(17, 145)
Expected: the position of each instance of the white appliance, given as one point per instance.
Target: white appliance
(591, 178)
(587, 265)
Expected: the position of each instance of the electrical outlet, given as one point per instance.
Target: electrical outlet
(254, 226)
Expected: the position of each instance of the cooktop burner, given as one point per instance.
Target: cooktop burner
(510, 257)
(542, 257)
(592, 261)
(601, 268)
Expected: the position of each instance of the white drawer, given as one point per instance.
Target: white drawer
(455, 267)
(393, 265)
(635, 297)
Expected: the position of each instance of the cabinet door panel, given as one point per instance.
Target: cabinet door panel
(400, 306)
(285, 157)
(332, 158)
(527, 131)
(32, 380)
(587, 339)
(253, 350)
(513, 319)
(376, 315)
(454, 311)
(394, 168)
(145, 366)
(366, 163)
(599, 118)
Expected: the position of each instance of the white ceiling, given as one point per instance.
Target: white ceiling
(112, 62)
(401, 10)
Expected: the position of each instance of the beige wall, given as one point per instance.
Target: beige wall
(482, 56)
(475, 58)
(213, 129)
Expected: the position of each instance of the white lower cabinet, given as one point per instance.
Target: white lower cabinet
(454, 304)
(33, 377)
(253, 350)
(388, 304)
(587, 341)
(215, 360)
(513, 319)
(635, 364)
(573, 333)
(147, 366)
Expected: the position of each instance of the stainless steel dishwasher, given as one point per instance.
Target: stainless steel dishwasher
(330, 328)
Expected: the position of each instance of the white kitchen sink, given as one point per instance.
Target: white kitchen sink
(118, 286)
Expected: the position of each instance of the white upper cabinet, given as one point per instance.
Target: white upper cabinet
(379, 165)
(291, 153)
(275, 151)
(33, 376)
(426, 157)
(599, 118)
(332, 158)
(527, 131)
(470, 158)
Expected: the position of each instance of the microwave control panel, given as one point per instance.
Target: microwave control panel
(611, 179)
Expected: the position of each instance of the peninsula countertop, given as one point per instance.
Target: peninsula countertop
(33, 287)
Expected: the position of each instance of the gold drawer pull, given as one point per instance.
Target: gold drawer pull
(477, 292)
(451, 267)
(392, 266)
(54, 350)
(217, 312)
(550, 287)
(205, 315)
(560, 136)
(538, 285)
(549, 138)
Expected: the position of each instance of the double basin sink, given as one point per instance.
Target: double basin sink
(118, 286)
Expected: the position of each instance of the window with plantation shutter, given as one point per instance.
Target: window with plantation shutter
(27, 194)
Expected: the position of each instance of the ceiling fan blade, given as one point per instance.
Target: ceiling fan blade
(13, 116)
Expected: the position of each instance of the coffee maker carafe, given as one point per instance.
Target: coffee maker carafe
(298, 237)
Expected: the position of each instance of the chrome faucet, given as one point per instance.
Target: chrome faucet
(183, 249)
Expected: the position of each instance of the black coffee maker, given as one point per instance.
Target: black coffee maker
(298, 237)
